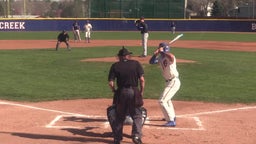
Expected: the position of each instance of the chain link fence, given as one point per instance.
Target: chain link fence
(137, 8)
(93, 8)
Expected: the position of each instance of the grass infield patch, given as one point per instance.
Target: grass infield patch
(42, 75)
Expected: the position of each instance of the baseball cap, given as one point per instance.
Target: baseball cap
(142, 17)
(165, 46)
(124, 52)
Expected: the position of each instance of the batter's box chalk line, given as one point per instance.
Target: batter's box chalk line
(62, 114)
(53, 123)
(192, 119)
(148, 122)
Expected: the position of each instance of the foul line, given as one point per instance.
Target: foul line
(50, 110)
(218, 111)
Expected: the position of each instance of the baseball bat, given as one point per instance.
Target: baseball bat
(176, 38)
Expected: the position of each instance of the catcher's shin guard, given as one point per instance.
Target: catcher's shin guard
(111, 114)
(129, 121)
(144, 115)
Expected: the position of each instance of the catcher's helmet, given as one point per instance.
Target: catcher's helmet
(165, 46)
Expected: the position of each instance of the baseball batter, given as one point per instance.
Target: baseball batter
(87, 30)
(167, 62)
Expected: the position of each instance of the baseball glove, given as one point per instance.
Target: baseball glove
(136, 22)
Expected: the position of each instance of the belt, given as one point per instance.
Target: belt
(127, 86)
(170, 79)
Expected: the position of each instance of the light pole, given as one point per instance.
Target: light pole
(24, 7)
(253, 8)
(185, 8)
(7, 8)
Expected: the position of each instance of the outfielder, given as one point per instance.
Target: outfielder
(167, 62)
(173, 27)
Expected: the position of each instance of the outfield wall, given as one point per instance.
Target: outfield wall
(127, 25)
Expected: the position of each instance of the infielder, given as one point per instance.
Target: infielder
(76, 31)
(167, 62)
(87, 30)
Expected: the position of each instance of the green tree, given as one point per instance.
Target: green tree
(2, 9)
(217, 9)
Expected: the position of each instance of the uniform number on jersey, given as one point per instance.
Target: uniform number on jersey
(164, 64)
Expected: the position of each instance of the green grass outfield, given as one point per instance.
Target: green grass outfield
(134, 35)
(42, 75)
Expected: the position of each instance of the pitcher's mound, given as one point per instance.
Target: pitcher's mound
(143, 60)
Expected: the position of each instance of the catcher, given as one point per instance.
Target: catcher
(63, 37)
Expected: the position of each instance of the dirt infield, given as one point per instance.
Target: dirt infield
(84, 121)
(216, 45)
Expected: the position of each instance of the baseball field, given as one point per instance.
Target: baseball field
(54, 97)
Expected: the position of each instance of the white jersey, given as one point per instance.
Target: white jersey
(88, 27)
(169, 70)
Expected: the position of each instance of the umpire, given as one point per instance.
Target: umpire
(63, 37)
(129, 75)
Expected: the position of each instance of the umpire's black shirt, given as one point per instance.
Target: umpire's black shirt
(63, 36)
(126, 72)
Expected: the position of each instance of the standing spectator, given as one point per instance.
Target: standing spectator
(167, 63)
(63, 37)
(76, 31)
(173, 27)
(87, 30)
(128, 74)
(143, 27)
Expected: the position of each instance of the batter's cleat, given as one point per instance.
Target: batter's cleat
(163, 119)
(170, 124)
(136, 140)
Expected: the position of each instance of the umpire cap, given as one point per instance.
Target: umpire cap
(124, 52)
